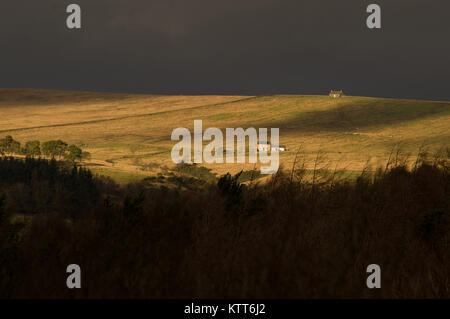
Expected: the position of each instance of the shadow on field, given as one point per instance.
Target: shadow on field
(360, 114)
(54, 97)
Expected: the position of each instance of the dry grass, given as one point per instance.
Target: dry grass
(124, 132)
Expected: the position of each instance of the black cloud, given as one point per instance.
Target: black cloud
(239, 47)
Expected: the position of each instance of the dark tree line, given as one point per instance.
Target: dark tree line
(51, 149)
(33, 186)
(285, 238)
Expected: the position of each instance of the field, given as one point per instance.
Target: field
(182, 232)
(129, 135)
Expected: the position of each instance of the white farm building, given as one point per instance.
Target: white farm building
(263, 147)
(266, 146)
(279, 148)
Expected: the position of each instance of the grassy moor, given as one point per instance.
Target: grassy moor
(128, 136)
(363, 181)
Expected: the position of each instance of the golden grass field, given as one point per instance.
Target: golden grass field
(129, 135)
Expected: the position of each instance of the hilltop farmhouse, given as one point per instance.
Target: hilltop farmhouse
(336, 94)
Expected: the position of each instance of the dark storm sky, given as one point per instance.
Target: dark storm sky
(229, 47)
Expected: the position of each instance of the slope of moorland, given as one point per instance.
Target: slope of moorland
(129, 135)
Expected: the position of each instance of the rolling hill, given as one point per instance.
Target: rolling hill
(129, 135)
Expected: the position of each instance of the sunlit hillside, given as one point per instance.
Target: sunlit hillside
(129, 135)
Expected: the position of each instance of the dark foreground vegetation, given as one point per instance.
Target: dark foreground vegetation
(287, 238)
